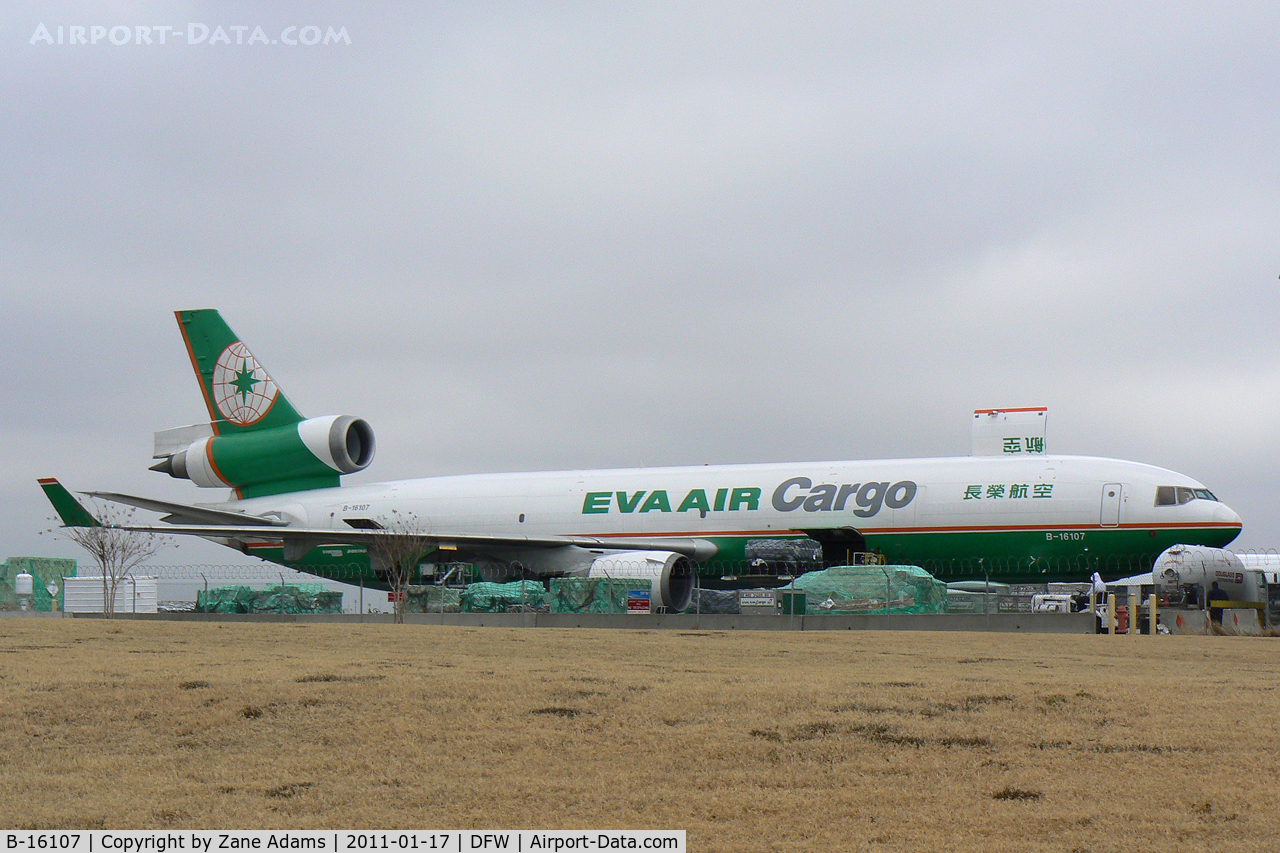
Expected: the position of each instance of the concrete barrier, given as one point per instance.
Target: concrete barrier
(1241, 620)
(1184, 621)
(1027, 623)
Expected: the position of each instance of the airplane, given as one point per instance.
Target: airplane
(1019, 518)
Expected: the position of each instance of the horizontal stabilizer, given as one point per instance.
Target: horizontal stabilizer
(171, 441)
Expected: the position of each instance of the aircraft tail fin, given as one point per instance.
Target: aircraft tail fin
(239, 393)
(68, 508)
(256, 442)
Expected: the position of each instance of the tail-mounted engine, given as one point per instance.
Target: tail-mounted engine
(311, 454)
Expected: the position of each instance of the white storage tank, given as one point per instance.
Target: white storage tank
(24, 587)
(133, 595)
(1196, 564)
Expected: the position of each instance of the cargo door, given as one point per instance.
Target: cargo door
(1111, 495)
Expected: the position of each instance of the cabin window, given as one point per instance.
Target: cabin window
(1166, 496)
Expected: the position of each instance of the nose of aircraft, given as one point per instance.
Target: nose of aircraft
(1224, 514)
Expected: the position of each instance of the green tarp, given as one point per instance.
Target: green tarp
(567, 595)
(43, 570)
(501, 597)
(593, 595)
(429, 599)
(292, 598)
(864, 589)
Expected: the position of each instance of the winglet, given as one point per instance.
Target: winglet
(67, 507)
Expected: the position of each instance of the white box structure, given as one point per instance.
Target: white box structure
(1006, 432)
(133, 595)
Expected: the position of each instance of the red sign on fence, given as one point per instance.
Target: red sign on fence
(395, 596)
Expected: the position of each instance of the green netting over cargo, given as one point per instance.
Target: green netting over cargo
(43, 571)
(593, 595)
(863, 589)
(292, 598)
(502, 597)
(432, 599)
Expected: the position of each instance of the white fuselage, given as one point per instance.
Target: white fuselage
(1005, 507)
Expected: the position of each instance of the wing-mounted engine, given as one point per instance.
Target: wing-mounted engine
(670, 575)
(310, 454)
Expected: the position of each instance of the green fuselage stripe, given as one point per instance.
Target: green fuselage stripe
(1027, 555)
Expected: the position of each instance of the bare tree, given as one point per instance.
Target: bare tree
(115, 550)
(397, 549)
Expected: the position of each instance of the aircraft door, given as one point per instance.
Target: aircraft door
(1112, 493)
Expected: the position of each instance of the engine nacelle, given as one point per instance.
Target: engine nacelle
(307, 455)
(670, 575)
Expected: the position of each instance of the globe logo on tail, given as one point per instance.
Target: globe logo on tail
(242, 389)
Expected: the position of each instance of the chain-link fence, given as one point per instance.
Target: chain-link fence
(438, 587)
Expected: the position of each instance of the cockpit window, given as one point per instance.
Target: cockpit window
(1176, 495)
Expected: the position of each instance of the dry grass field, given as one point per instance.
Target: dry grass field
(750, 741)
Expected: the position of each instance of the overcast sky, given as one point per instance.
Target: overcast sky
(533, 236)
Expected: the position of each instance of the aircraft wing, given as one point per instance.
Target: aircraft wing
(186, 514)
(299, 540)
(212, 523)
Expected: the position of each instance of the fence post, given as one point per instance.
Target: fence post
(442, 583)
(986, 593)
(1151, 614)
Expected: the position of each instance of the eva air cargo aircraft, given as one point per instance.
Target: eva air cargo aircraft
(1014, 513)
